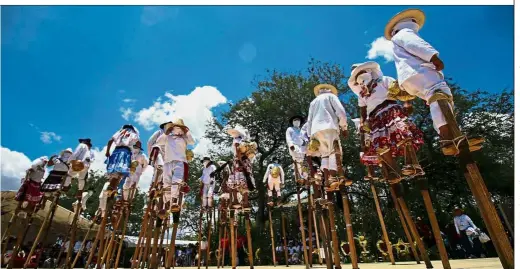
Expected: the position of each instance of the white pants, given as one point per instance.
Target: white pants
(103, 197)
(274, 185)
(207, 194)
(79, 175)
(84, 197)
(327, 152)
(424, 85)
(298, 154)
(173, 175)
(127, 186)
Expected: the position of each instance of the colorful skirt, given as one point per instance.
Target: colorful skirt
(29, 192)
(53, 181)
(119, 161)
(389, 127)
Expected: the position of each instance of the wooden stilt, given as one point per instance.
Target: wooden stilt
(170, 261)
(199, 254)
(382, 222)
(326, 240)
(480, 191)
(219, 251)
(350, 232)
(121, 241)
(161, 240)
(309, 224)
(315, 224)
(224, 247)
(7, 229)
(273, 246)
(156, 234)
(333, 232)
(208, 247)
(145, 254)
(300, 214)
(423, 185)
(140, 240)
(97, 240)
(249, 241)
(108, 250)
(506, 220)
(405, 226)
(84, 241)
(20, 237)
(411, 224)
(285, 250)
(72, 237)
(102, 245)
(233, 242)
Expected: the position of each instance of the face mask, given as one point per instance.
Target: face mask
(205, 163)
(296, 123)
(275, 161)
(136, 151)
(177, 131)
(237, 140)
(406, 24)
(364, 79)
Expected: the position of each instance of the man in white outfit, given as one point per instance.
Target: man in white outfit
(207, 180)
(326, 119)
(83, 155)
(419, 72)
(274, 176)
(296, 145)
(175, 141)
(141, 163)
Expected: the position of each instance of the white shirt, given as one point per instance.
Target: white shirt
(268, 172)
(378, 96)
(206, 172)
(293, 137)
(125, 138)
(175, 146)
(325, 113)
(81, 153)
(61, 160)
(153, 140)
(38, 170)
(463, 222)
(411, 52)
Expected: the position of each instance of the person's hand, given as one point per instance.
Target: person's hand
(435, 60)
(344, 133)
(292, 147)
(107, 154)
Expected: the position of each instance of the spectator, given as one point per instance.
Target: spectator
(468, 233)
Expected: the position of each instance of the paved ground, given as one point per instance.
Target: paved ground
(489, 263)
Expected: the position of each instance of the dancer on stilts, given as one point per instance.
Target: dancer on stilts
(222, 173)
(174, 149)
(118, 167)
(327, 119)
(207, 182)
(419, 71)
(274, 177)
(29, 199)
(241, 178)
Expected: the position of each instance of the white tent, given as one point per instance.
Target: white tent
(132, 242)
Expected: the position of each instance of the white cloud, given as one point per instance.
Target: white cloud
(129, 100)
(49, 137)
(381, 47)
(125, 112)
(13, 165)
(194, 109)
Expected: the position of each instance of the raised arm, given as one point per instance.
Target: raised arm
(340, 111)
(189, 139)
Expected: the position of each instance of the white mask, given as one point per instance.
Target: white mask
(177, 130)
(405, 24)
(364, 79)
(275, 161)
(135, 151)
(296, 123)
(205, 163)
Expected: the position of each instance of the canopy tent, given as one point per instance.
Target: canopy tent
(131, 241)
(60, 224)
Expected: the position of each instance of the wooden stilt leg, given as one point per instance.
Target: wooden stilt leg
(171, 255)
(156, 234)
(83, 243)
(286, 252)
(140, 240)
(273, 247)
(99, 237)
(118, 255)
(423, 186)
(326, 240)
(219, 251)
(309, 224)
(506, 220)
(208, 239)
(224, 247)
(405, 226)
(145, 257)
(6, 232)
(315, 224)
(199, 240)
(108, 250)
(233, 242)
(72, 239)
(249, 241)
(161, 249)
(333, 232)
(382, 222)
(20, 237)
(300, 214)
(350, 232)
(480, 192)
(411, 224)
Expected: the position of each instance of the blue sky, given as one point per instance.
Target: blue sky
(68, 72)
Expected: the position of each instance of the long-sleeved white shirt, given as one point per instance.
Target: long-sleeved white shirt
(206, 172)
(125, 138)
(293, 137)
(463, 222)
(153, 140)
(378, 96)
(411, 54)
(37, 170)
(143, 164)
(175, 146)
(60, 161)
(325, 113)
(268, 172)
(81, 153)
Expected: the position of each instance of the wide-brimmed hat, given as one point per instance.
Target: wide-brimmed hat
(360, 67)
(238, 131)
(180, 123)
(162, 125)
(220, 163)
(413, 13)
(205, 159)
(66, 150)
(85, 140)
(325, 86)
(301, 118)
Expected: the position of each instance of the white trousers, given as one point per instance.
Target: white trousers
(327, 152)
(298, 154)
(127, 186)
(424, 85)
(79, 175)
(173, 175)
(274, 185)
(207, 194)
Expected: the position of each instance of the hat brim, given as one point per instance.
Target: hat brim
(180, 125)
(302, 119)
(162, 125)
(234, 132)
(413, 13)
(87, 140)
(328, 86)
(361, 67)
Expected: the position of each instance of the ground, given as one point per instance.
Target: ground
(489, 263)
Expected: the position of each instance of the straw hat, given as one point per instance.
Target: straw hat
(325, 86)
(361, 67)
(180, 123)
(413, 13)
(164, 124)
(238, 131)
